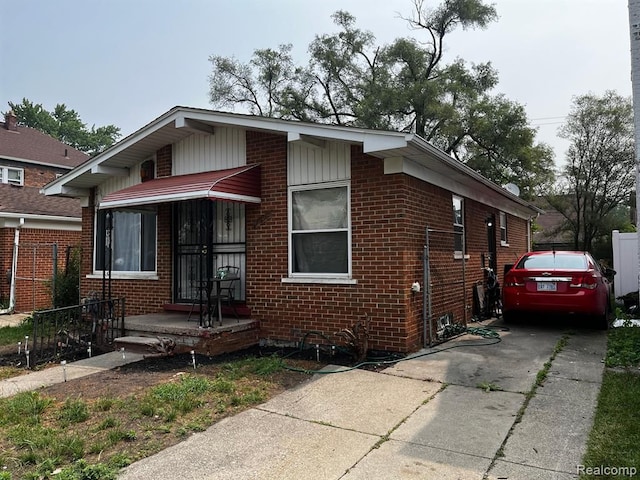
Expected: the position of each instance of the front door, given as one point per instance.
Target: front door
(207, 235)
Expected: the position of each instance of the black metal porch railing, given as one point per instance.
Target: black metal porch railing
(78, 331)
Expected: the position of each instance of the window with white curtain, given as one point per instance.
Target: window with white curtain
(320, 240)
(133, 241)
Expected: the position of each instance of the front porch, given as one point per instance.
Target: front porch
(233, 335)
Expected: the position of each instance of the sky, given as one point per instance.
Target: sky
(126, 62)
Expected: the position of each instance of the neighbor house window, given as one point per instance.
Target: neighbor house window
(320, 240)
(133, 241)
(503, 229)
(458, 226)
(14, 176)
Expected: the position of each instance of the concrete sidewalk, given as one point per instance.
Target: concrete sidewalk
(60, 373)
(422, 418)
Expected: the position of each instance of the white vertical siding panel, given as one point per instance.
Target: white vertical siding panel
(113, 184)
(317, 165)
(202, 153)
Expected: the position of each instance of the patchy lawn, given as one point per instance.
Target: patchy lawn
(93, 426)
(612, 449)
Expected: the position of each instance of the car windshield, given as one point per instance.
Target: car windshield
(555, 261)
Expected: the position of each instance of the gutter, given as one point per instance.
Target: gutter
(425, 146)
(14, 270)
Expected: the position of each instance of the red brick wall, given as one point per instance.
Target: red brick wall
(389, 216)
(39, 176)
(35, 264)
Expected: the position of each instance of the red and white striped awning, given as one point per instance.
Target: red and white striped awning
(241, 184)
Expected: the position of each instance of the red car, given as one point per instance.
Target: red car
(557, 282)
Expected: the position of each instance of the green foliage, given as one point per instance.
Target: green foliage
(81, 470)
(405, 86)
(600, 169)
(66, 284)
(66, 126)
(623, 347)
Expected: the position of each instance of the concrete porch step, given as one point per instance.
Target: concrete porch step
(148, 346)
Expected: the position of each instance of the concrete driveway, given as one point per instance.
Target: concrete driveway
(422, 418)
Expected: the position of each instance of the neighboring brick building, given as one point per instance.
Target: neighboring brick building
(329, 225)
(36, 227)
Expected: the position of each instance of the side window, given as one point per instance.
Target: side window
(12, 175)
(504, 239)
(319, 235)
(458, 226)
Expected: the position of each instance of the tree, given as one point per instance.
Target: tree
(404, 86)
(600, 170)
(66, 126)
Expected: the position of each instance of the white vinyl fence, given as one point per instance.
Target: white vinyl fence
(625, 262)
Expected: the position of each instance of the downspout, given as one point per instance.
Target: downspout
(426, 294)
(14, 271)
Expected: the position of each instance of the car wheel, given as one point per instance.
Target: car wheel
(601, 322)
(508, 317)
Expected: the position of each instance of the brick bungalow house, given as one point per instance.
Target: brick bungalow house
(329, 225)
(32, 225)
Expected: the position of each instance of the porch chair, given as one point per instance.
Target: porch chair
(227, 288)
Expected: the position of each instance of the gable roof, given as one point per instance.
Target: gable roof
(407, 153)
(21, 201)
(26, 144)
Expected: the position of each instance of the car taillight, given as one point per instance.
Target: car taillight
(513, 281)
(588, 281)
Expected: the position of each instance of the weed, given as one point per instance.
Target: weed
(119, 460)
(70, 447)
(73, 411)
(104, 404)
(106, 424)
(490, 387)
(81, 470)
(222, 385)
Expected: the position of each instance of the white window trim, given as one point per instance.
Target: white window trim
(125, 275)
(318, 277)
(5, 175)
(504, 243)
(457, 254)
